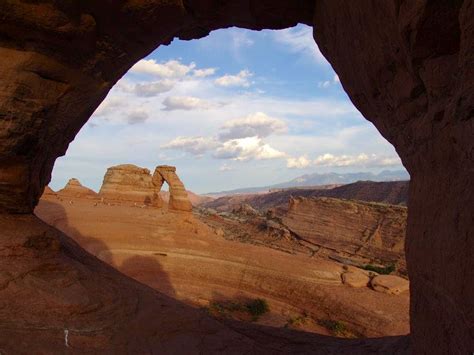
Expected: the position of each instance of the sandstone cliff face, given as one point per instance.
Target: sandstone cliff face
(358, 229)
(128, 182)
(75, 189)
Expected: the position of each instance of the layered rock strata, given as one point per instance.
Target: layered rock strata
(353, 228)
(129, 182)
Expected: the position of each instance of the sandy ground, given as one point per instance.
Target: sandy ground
(180, 256)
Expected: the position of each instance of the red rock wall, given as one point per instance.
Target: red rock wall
(407, 66)
(362, 230)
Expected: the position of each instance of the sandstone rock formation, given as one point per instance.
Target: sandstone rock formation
(355, 279)
(352, 228)
(195, 199)
(74, 188)
(406, 65)
(178, 196)
(48, 191)
(391, 284)
(129, 182)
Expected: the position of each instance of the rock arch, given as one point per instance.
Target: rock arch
(178, 196)
(414, 81)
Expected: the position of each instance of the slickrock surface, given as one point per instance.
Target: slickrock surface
(352, 228)
(74, 188)
(129, 182)
(178, 200)
(390, 284)
(180, 256)
(92, 308)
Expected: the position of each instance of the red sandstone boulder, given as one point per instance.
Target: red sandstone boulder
(390, 284)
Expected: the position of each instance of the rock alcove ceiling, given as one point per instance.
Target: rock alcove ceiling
(414, 81)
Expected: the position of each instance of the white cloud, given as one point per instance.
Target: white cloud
(324, 84)
(193, 145)
(298, 163)
(108, 106)
(169, 69)
(240, 141)
(364, 160)
(257, 124)
(240, 79)
(300, 40)
(153, 89)
(247, 149)
(185, 103)
(240, 38)
(137, 116)
(225, 167)
(202, 73)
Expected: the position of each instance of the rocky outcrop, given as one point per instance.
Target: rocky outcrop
(75, 189)
(48, 191)
(178, 196)
(356, 280)
(413, 79)
(353, 228)
(129, 182)
(390, 284)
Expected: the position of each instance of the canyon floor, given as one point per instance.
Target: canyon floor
(181, 256)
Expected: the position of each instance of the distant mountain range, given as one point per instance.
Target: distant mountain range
(316, 179)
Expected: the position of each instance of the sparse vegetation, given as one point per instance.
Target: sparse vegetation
(231, 309)
(257, 308)
(298, 320)
(380, 269)
(337, 328)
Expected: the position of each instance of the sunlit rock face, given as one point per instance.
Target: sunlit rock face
(128, 182)
(74, 188)
(406, 65)
(178, 199)
(365, 230)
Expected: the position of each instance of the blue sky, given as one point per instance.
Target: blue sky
(238, 108)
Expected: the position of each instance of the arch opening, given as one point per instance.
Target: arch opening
(234, 118)
(416, 90)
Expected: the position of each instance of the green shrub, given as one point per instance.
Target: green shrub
(380, 270)
(297, 321)
(257, 307)
(336, 328)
